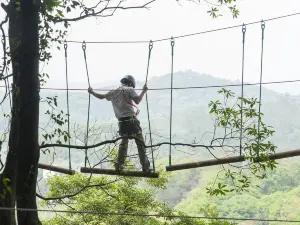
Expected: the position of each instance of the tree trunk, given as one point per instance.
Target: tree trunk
(29, 114)
(10, 169)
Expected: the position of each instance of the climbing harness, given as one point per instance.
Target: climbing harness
(130, 130)
(130, 103)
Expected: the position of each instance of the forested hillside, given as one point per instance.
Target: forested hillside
(186, 189)
(276, 196)
(191, 119)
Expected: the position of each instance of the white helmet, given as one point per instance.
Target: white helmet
(128, 80)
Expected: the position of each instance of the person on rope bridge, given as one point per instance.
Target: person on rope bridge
(122, 100)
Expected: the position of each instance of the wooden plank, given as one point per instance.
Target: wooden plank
(56, 169)
(234, 159)
(206, 163)
(127, 173)
(286, 154)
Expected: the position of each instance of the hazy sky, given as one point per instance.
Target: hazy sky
(216, 53)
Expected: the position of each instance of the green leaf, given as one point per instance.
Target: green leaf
(55, 101)
(2, 196)
(9, 189)
(18, 6)
(75, 3)
(52, 3)
(60, 13)
(5, 181)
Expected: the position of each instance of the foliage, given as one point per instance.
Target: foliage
(276, 197)
(6, 188)
(179, 184)
(238, 122)
(56, 121)
(55, 17)
(230, 4)
(104, 194)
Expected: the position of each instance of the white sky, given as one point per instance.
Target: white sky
(217, 53)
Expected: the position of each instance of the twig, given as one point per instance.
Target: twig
(3, 43)
(95, 14)
(119, 138)
(2, 77)
(76, 193)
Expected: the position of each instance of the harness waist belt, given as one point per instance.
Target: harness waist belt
(127, 118)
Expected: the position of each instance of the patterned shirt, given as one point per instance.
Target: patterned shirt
(121, 99)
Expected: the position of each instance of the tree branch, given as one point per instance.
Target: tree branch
(1, 163)
(3, 44)
(77, 192)
(5, 8)
(119, 138)
(98, 14)
(2, 77)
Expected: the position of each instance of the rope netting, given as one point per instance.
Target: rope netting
(172, 88)
(170, 144)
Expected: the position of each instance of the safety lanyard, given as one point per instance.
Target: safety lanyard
(130, 103)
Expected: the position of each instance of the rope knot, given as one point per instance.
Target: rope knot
(84, 45)
(263, 24)
(244, 28)
(150, 45)
(172, 42)
(65, 44)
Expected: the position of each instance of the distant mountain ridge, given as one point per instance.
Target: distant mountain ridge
(190, 106)
(190, 109)
(190, 120)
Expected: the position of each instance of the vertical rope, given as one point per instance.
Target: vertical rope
(260, 81)
(242, 94)
(171, 103)
(150, 133)
(149, 56)
(89, 104)
(68, 109)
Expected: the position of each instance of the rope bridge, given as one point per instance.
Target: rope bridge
(170, 167)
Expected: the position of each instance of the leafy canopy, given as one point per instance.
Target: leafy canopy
(122, 195)
(239, 129)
